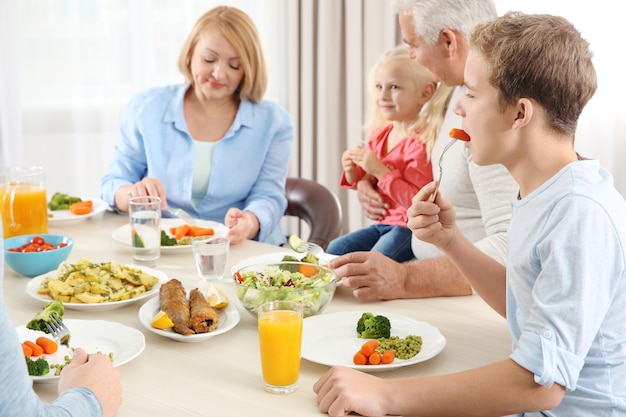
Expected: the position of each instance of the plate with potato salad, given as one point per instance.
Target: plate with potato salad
(331, 339)
(95, 286)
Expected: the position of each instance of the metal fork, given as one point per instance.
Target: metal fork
(180, 213)
(58, 330)
(313, 248)
(452, 141)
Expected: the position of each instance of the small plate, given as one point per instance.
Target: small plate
(271, 258)
(65, 217)
(229, 317)
(330, 339)
(126, 343)
(122, 233)
(34, 283)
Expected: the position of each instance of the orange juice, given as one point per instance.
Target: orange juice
(24, 209)
(280, 336)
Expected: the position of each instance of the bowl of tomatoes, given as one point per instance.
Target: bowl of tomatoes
(33, 255)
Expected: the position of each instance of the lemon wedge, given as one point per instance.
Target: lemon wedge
(215, 297)
(295, 242)
(162, 321)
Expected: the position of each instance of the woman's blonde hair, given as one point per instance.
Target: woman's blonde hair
(430, 119)
(240, 31)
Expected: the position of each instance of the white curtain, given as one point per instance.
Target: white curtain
(67, 67)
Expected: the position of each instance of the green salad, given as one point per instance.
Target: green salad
(311, 285)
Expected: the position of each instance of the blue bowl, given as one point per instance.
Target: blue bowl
(32, 264)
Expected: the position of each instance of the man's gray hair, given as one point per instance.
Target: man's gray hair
(430, 17)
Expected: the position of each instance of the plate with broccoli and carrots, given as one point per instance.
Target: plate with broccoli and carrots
(66, 209)
(176, 234)
(333, 340)
(121, 343)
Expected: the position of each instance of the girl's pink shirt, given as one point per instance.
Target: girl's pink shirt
(410, 171)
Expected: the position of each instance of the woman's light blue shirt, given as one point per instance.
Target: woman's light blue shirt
(248, 170)
(566, 290)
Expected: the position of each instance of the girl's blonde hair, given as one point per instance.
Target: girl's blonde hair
(430, 119)
(239, 29)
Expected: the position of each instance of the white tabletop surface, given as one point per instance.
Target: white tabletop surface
(222, 375)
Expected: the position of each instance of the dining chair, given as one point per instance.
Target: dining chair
(317, 206)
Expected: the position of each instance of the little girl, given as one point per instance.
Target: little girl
(401, 133)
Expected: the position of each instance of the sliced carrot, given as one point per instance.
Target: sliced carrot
(48, 345)
(369, 347)
(28, 351)
(388, 356)
(374, 358)
(201, 231)
(359, 359)
(459, 134)
(37, 350)
(308, 270)
(82, 207)
(181, 231)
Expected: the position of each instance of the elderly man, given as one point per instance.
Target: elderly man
(437, 33)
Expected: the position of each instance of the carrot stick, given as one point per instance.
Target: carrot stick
(37, 350)
(181, 231)
(201, 231)
(359, 359)
(82, 207)
(28, 351)
(369, 347)
(48, 345)
(388, 356)
(374, 358)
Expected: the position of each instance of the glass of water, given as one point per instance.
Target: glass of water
(211, 256)
(144, 213)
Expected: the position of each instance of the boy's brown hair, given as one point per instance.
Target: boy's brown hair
(540, 57)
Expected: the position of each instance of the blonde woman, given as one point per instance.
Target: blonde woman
(212, 145)
(407, 112)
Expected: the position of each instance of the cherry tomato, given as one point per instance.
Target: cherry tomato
(38, 240)
(37, 244)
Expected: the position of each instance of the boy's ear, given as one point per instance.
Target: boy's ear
(523, 113)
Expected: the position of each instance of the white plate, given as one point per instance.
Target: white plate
(274, 258)
(65, 217)
(330, 339)
(229, 317)
(126, 343)
(34, 283)
(122, 233)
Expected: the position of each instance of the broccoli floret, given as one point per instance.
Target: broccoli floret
(61, 201)
(289, 258)
(360, 325)
(37, 368)
(137, 240)
(372, 326)
(43, 317)
(310, 258)
(166, 240)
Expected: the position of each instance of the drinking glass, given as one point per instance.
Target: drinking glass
(280, 340)
(145, 226)
(211, 256)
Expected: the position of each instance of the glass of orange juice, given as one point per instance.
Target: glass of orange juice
(280, 339)
(23, 202)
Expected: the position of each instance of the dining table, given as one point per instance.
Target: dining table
(221, 376)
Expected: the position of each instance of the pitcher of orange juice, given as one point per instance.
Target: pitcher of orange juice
(23, 202)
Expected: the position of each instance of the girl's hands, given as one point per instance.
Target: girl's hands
(368, 161)
(432, 222)
(242, 224)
